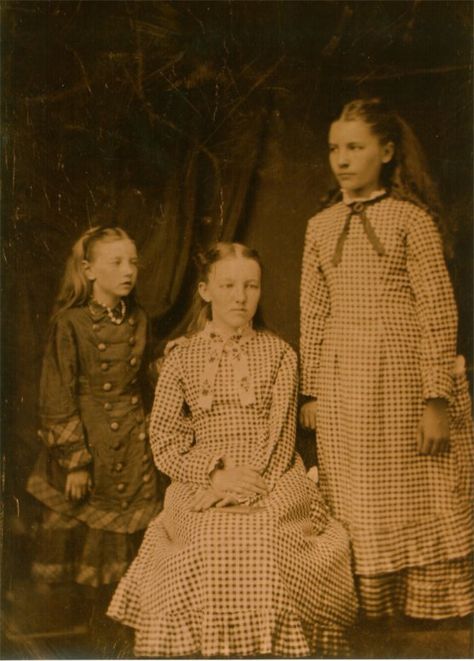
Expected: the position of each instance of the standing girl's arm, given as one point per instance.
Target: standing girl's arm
(61, 425)
(314, 309)
(437, 314)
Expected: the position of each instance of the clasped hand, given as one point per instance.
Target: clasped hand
(230, 486)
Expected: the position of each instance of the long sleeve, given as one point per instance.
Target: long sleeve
(314, 309)
(278, 451)
(435, 305)
(61, 426)
(171, 432)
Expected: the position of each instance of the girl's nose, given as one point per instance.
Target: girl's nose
(240, 294)
(342, 158)
(128, 268)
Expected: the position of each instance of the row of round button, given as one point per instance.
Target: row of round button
(134, 399)
(105, 366)
(120, 465)
(107, 386)
(131, 340)
(117, 445)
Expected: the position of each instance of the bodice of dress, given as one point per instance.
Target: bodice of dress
(399, 298)
(356, 284)
(202, 408)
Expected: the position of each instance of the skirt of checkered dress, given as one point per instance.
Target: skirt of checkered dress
(270, 577)
(378, 340)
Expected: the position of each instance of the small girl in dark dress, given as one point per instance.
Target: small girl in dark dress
(95, 474)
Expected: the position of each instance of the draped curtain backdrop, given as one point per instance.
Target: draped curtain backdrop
(187, 122)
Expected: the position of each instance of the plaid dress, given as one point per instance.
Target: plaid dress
(269, 577)
(378, 338)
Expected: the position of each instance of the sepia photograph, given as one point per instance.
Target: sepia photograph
(237, 329)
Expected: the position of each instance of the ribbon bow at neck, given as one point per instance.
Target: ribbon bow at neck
(358, 209)
(243, 383)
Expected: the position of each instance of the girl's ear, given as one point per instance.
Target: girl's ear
(87, 268)
(388, 152)
(203, 292)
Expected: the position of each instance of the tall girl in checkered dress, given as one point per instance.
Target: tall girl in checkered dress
(244, 559)
(384, 390)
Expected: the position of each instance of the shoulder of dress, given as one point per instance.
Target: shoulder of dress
(405, 206)
(415, 218)
(177, 345)
(276, 342)
(327, 213)
(67, 317)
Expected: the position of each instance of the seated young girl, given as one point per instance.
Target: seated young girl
(244, 558)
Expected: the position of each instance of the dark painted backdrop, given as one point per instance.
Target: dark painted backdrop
(189, 121)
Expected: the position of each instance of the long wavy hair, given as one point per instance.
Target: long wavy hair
(406, 176)
(76, 289)
(201, 311)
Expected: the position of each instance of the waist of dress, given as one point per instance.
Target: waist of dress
(229, 421)
(352, 322)
(383, 316)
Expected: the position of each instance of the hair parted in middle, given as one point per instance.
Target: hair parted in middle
(201, 310)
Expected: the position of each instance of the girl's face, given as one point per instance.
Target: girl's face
(112, 270)
(356, 157)
(233, 290)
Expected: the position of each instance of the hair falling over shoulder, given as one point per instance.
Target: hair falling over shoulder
(407, 175)
(200, 310)
(75, 289)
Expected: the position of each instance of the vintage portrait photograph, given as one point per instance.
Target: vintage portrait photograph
(237, 329)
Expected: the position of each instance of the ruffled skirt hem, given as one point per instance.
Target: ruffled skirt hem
(211, 633)
(438, 591)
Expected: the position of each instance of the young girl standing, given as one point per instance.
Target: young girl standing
(243, 560)
(384, 391)
(95, 475)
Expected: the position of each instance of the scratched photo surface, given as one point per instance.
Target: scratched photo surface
(184, 123)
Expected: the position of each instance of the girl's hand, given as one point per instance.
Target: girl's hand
(207, 498)
(78, 485)
(240, 482)
(308, 414)
(433, 434)
(204, 500)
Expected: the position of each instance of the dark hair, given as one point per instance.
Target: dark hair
(76, 289)
(406, 176)
(201, 310)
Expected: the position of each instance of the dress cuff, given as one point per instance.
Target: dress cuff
(438, 385)
(72, 459)
(216, 463)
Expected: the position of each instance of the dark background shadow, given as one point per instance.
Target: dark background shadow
(190, 121)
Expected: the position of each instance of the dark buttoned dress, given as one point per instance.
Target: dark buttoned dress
(92, 417)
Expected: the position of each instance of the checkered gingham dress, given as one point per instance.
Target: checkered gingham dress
(378, 337)
(271, 577)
